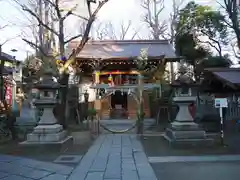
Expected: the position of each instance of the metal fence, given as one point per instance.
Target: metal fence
(206, 105)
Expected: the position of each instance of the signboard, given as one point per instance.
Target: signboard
(221, 103)
(8, 95)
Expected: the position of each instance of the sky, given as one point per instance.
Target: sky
(116, 11)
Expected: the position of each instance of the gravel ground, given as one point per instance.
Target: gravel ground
(158, 146)
(79, 147)
(197, 171)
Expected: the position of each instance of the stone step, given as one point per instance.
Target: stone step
(189, 142)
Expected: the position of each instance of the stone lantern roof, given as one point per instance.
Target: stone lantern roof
(184, 80)
(47, 82)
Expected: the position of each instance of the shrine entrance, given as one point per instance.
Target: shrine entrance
(119, 105)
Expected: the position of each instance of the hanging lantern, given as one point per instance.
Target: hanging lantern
(110, 80)
(97, 73)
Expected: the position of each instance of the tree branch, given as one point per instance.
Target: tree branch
(4, 26)
(32, 44)
(85, 38)
(4, 42)
(152, 17)
(81, 17)
(134, 35)
(124, 30)
(70, 12)
(109, 31)
(148, 15)
(89, 8)
(218, 48)
(38, 19)
(231, 8)
(236, 54)
(72, 38)
(101, 32)
(55, 5)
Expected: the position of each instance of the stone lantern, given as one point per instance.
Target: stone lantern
(183, 130)
(48, 131)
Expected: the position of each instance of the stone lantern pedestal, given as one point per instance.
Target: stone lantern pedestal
(183, 130)
(48, 131)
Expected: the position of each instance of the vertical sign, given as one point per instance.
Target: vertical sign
(8, 95)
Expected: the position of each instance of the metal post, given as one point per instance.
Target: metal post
(221, 126)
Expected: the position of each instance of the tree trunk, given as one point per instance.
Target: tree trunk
(1, 76)
(63, 97)
(63, 79)
(140, 113)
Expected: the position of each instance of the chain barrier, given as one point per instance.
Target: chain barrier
(99, 124)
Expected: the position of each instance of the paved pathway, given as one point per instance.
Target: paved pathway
(114, 157)
(17, 168)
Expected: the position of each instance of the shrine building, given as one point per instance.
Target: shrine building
(113, 63)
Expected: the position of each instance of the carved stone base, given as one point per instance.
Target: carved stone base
(189, 126)
(47, 135)
(47, 145)
(182, 134)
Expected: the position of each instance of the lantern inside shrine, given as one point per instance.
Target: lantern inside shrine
(110, 80)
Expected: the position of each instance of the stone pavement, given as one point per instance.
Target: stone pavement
(114, 157)
(17, 168)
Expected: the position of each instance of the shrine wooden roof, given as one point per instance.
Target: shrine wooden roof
(125, 49)
(7, 70)
(229, 77)
(8, 57)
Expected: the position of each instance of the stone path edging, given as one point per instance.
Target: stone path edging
(205, 158)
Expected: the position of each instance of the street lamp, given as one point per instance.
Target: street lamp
(14, 57)
(91, 1)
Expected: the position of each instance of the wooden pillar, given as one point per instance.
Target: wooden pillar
(97, 103)
(97, 77)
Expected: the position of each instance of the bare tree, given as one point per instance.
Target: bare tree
(153, 9)
(165, 29)
(232, 9)
(51, 10)
(176, 5)
(109, 31)
(162, 29)
(85, 37)
(58, 31)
